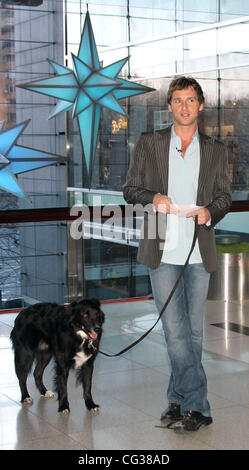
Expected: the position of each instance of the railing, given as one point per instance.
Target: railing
(64, 213)
(97, 264)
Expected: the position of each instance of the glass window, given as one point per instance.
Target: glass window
(234, 7)
(73, 29)
(218, 59)
(234, 127)
(155, 59)
(200, 51)
(35, 260)
(195, 6)
(232, 39)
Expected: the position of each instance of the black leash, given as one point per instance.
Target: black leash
(197, 228)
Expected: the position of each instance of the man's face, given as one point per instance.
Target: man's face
(185, 106)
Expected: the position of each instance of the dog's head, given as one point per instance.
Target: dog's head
(88, 317)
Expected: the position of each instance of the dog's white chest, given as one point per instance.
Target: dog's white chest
(80, 357)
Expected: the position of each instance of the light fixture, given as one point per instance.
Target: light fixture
(16, 159)
(86, 89)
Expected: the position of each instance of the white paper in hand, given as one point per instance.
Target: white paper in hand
(183, 210)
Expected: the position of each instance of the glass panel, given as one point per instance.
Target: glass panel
(234, 127)
(155, 59)
(73, 29)
(73, 6)
(232, 39)
(27, 38)
(196, 6)
(110, 2)
(233, 8)
(10, 267)
(111, 270)
(112, 56)
(111, 267)
(140, 28)
(34, 267)
(153, 5)
(200, 51)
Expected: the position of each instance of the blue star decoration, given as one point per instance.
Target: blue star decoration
(16, 159)
(87, 89)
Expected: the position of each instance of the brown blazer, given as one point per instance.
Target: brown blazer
(148, 175)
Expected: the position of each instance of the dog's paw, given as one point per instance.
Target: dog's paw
(65, 411)
(95, 411)
(48, 394)
(28, 401)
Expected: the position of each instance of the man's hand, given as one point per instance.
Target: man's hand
(203, 215)
(162, 203)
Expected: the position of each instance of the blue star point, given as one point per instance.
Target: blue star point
(16, 159)
(87, 89)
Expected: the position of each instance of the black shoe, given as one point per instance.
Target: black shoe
(192, 421)
(172, 413)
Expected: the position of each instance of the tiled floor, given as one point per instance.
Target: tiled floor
(131, 389)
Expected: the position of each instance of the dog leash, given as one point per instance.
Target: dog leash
(197, 229)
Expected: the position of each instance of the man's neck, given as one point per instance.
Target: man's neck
(185, 132)
(186, 135)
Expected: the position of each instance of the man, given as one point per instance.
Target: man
(173, 170)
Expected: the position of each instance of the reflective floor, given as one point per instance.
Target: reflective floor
(131, 388)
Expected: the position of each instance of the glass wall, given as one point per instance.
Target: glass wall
(162, 39)
(33, 255)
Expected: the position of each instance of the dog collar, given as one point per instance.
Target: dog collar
(91, 345)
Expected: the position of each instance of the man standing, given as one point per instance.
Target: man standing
(173, 169)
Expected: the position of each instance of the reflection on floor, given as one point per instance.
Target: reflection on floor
(131, 388)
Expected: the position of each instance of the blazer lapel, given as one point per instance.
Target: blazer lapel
(162, 144)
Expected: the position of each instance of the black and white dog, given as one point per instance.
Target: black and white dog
(69, 334)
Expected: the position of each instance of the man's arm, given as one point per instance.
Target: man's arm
(222, 199)
(134, 189)
(220, 205)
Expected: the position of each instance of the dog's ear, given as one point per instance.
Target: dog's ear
(95, 301)
(102, 316)
(84, 301)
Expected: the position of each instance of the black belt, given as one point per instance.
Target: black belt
(197, 229)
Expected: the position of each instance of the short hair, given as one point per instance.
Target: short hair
(180, 83)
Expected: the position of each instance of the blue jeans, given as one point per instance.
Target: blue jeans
(183, 328)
